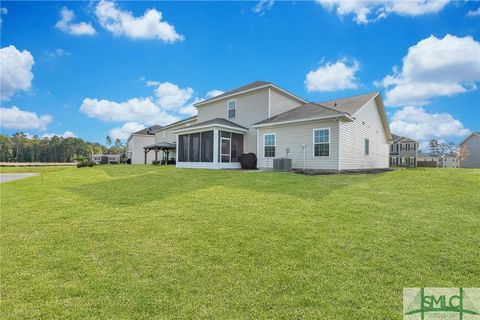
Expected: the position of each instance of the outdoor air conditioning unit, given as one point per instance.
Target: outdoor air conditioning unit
(282, 164)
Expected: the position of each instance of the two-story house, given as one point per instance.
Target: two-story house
(262, 118)
(403, 152)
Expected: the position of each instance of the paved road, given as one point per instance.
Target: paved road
(6, 177)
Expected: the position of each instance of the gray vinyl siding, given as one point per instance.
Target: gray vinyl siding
(473, 158)
(251, 107)
(293, 136)
(166, 135)
(367, 125)
(280, 102)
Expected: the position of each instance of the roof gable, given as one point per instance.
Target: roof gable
(350, 104)
(246, 88)
(477, 133)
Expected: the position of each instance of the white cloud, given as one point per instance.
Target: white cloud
(137, 109)
(169, 104)
(123, 23)
(125, 130)
(66, 134)
(56, 53)
(418, 124)
(474, 13)
(434, 67)
(262, 6)
(14, 118)
(171, 96)
(333, 76)
(78, 29)
(213, 93)
(366, 11)
(2, 11)
(15, 71)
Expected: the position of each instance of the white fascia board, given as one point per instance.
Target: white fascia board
(209, 126)
(302, 120)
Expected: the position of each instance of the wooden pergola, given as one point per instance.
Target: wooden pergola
(166, 147)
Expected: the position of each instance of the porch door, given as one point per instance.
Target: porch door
(225, 149)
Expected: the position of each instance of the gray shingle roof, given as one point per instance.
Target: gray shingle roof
(398, 139)
(219, 121)
(177, 122)
(249, 86)
(349, 104)
(150, 130)
(304, 112)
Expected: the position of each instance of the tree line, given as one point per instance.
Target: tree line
(21, 147)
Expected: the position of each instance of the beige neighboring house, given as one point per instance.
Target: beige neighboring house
(262, 118)
(136, 143)
(448, 161)
(472, 145)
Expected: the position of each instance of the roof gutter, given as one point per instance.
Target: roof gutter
(207, 126)
(271, 124)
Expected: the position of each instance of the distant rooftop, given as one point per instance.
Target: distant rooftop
(149, 130)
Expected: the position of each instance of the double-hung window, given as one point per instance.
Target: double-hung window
(321, 142)
(231, 108)
(269, 142)
(367, 147)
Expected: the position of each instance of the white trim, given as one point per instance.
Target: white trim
(313, 143)
(228, 108)
(275, 145)
(229, 154)
(209, 165)
(209, 126)
(469, 136)
(249, 90)
(301, 120)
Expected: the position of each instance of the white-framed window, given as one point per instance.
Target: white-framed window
(321, 142)
(269, 144)
(231, 108)
(367, 147)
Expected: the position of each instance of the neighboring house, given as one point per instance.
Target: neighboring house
(440, 160)
(472, 146)
(428, 157)
(106, 158)
(448, 161)
(403, 152)
(262, 118)
(136, 143)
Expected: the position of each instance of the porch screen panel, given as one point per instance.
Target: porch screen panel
(237, 147)
(207, 146)
(183, 148)
(194, 147)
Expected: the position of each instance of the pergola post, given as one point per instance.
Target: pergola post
(146, 151)
(156, 155)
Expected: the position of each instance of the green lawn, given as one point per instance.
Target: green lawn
(145, 242)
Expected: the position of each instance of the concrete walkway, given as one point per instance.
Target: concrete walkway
(6, 177)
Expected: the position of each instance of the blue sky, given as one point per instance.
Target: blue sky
(112, 67)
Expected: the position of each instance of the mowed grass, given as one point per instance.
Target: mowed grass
(145, 242)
